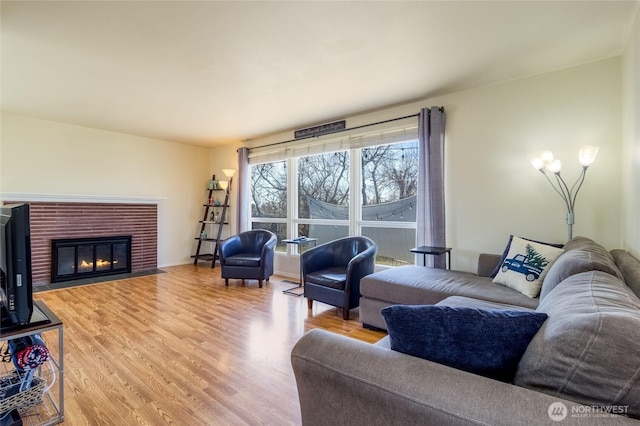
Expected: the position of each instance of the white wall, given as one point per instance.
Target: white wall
(631, 145)
(492, 191)
(492, 132)
(225, 157)
(56, 159)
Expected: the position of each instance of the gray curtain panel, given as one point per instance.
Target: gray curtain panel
(244, 191)
(430, 214)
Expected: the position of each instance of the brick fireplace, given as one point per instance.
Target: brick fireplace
(60, 220)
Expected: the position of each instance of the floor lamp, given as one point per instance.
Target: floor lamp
(546, 163)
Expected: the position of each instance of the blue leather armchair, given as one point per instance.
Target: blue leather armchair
(248, 255)
(331, 272)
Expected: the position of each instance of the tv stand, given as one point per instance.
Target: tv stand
(51, 410)
(37, 318)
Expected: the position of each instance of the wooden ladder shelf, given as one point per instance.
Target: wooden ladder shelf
(215, 253)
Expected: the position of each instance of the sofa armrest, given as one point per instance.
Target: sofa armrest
(345, 381)
(629, 266)
(487, 263)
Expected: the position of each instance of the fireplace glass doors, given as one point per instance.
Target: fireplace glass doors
(73, 259)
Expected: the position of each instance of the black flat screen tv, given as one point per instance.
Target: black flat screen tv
(16, 291)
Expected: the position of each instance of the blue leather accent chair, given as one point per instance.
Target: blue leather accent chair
(248, 255)
(331, 272)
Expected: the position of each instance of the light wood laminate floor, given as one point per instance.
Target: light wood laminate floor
(180, 348)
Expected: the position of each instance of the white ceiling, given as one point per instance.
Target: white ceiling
(211, 72)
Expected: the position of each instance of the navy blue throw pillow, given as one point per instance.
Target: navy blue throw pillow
(485, 342)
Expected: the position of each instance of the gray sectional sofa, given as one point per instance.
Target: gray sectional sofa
(417, 285)
(581, 367)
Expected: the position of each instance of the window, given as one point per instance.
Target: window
(389, 184)
(323, 196)
(269, 199)
(369, 189)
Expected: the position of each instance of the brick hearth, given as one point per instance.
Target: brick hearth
(52, 220)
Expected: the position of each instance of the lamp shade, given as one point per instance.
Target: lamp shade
(554, 166)
(228, 172)
(223, 184)
(587, 155)
(537, 163)
(547, 156)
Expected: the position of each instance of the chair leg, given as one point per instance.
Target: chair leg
(345, 313)
(226, 282)
(310, 303)
(259, 283)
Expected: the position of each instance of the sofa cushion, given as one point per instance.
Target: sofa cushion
(385, 342)
(243, 259)
(419, 285)
(334, 277)
(488, 263)
(470, 302)
(505, 252)
(525, 266)
(588, 350)
(573, 262)
(488, 343)
(584, 243)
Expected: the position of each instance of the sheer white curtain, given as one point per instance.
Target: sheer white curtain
(430, 216)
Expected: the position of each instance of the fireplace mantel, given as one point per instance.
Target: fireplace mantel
(70, 198)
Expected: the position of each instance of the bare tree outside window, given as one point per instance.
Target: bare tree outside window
(388, 185)
(269, 190)
(324, 178)
(389, 172)
(269, 199)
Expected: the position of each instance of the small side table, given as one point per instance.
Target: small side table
(51, 410)
(299, 242)
(433, 251)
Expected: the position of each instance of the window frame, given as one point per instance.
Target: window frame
(355, 146)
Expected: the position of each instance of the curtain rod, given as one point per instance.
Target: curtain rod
(340, 131)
